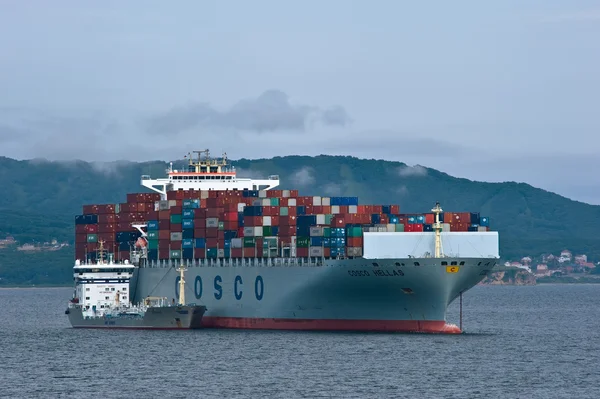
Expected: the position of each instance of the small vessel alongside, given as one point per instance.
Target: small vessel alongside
(102, 299)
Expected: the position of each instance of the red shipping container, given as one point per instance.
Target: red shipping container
(355, 241)
(327, 252)
(317, 209)
(394, 209)
(230, 225)
(275, 220)
(106, 228)
(251, 252)
(176, 210)
(107, 218)
(200, 214)
(199, 253)
(81, 238)
(302, 252)
(176, 228)
(80, 253)
(384, 219)
(199, 232)
(164, 215)
(274, 193)
(259, 242)
(287, 231)
(164, 234)
(81, 229)
(212, 232)
(163, 245)
(418, 227)
(221, 235)
(212, 212)
(230, 216)
(151, 215)
(90, 209)
(448, 217)
(122, 255)
(175, 245)
(212, 242)
(164, 224)
(240, 232)
(236, 252)
(91, 228)
(287, 220)
(231, 207)
(429, 218)
(283, 202)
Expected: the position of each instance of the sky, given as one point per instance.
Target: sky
(487, 90)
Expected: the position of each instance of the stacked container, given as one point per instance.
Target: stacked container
(197, 224)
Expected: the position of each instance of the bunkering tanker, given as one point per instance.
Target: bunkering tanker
(260, 258)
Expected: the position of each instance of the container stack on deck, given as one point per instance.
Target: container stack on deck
(247, 224)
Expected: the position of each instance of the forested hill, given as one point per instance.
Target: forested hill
(40, 198)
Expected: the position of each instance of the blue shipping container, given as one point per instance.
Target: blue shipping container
(427, 227)
(152, 225)
(188, 213)
(187, 233)
(187, 243)
(124, 246)
(316, 241)
(475, 218)
(187, 223)
(153, 254)
(484, 221)
(375, 218)
(187, 253)
(420, 219)
(200, 243)
(412, 220)
(191, 203)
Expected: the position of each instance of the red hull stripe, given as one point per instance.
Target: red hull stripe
(421, 326)
(134, 328)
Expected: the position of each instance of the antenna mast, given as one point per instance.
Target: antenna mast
(437, 227)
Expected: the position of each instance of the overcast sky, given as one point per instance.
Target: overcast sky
(488, 90)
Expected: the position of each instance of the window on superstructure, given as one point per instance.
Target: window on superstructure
(87, 298)
(417, 264)
(124, 288)
(106, 297)
(87, 289)
(453, 263)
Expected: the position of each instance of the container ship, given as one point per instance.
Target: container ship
(263, 258)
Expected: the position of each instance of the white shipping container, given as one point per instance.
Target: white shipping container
(204, 194)
(266, 202)
(248, 231)
(257, 202)
(316, 201)
(391, 228)
(262, 194)
(241, 207)
(354, 251)
(316, 232)
(236, 243)
(172, 203)
(266, 220)
(220, 253)
(212, 222)
(417, 244)
(292, 202)
(482, 228)
(258, 231)
(382, 229)
(325, 201)
(176, 236)
(445, 226)
(157, 206)
(320, 219)
(315, 251)
(352, 209)
(335, 209)
(285, 193)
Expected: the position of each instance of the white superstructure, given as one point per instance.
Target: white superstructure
(102, 286)
(206, 174)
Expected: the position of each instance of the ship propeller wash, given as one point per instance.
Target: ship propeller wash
(263, 258)
(102, 300)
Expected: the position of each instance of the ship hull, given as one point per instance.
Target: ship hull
(393, 295)
(159, 318)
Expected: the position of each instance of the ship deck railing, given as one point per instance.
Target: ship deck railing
(235, 262)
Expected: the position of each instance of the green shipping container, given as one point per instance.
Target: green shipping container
(326, 231)
(283, 211)
(354, 231)
(92, 238)
(249, 242)
(270, 242)
(212, 252)
(153, 235)
(328, 219)
(152, 244)
(221, 225)
(175, 254)
(267, 231)
(302, 242)
(118, 208)
(399, 227)
(175, 219)
(274, 201)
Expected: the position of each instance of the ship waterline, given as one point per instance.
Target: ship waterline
(400, 295)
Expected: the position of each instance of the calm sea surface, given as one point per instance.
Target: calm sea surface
(521, 342)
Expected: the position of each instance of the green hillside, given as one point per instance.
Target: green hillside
(40, 198)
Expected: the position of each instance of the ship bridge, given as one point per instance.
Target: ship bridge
(204, 173)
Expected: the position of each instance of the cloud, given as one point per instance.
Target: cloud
(402, 190)
(417, 170)
(271, 111)
(332, 189)
(250, 174)
(303, 177)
